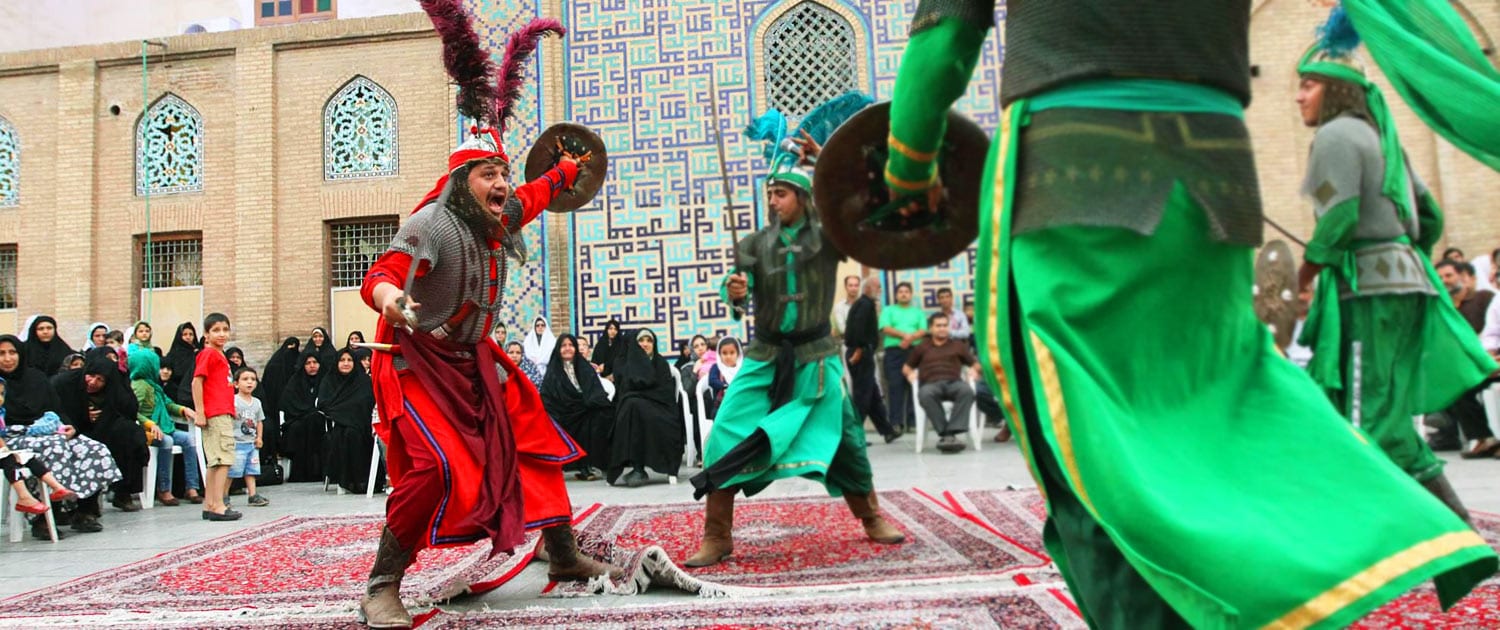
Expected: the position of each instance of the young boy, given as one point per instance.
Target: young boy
(214, 400)
(248, 422)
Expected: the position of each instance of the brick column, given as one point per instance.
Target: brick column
(559, 226)
(254, 261)
(77, 88)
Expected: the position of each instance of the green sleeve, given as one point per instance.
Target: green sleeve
(145, 401)
(1429, 222)
(724, 293)
(1333, 234)
(934, 73)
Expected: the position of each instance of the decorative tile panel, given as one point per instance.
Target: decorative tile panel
(10, 165)
(169, 148)
(359, 132)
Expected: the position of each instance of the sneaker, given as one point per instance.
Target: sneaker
(258, 500)
(949, 444)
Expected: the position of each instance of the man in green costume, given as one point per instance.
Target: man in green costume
(788, 414)
(1387, 342)
(1193, 476)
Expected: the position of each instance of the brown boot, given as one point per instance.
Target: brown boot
(565, 564)
(718, 522)
(1440, 488)
(381, 606)
(867, 508)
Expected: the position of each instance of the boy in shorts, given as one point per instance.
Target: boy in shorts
(249, 421)
(213, 398)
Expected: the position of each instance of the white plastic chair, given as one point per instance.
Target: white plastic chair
(687, 427)
(975, 428)
(705, 423)
(8, 501)
(374, 456)
(148, 493)
(1491, 398)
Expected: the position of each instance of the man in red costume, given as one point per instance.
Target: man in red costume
(472, 454)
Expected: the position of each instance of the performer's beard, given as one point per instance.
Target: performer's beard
(461, 202)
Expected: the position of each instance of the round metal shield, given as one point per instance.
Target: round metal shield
(1275, 300)
(576, 139)
(849, 185)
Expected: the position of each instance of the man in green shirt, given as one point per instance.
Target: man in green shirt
(903, 325)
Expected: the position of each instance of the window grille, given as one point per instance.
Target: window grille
(355, 248)
(175, 262)
(8, 257)
(10, 165)
(169, 148)
(359, 132)
(809, 59)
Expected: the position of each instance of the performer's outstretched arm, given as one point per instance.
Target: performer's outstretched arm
(536, 194)
(935, 71)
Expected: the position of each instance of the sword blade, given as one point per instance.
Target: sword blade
(713, 109)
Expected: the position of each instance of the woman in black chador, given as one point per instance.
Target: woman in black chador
(575, 399)
(648, 425)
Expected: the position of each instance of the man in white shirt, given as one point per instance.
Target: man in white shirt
(958, 324)
(841, 309)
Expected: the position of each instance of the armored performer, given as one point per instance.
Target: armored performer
(1386, 345)
(472, 455)
(1193, 477)
(788, 414)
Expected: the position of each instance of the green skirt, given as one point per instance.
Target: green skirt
(816, 435)
(1218, 469)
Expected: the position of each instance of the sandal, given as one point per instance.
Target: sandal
(35, 508)
(1486, 447)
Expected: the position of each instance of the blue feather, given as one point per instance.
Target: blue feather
(771, 128)
(820, 123)
(1337, 37)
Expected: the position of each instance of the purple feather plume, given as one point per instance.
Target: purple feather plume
(512, 77)
(465, 59)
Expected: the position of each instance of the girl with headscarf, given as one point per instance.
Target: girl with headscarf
(140, 335)
(98, 402)
(353, 338)
(33, 424)
(518, 356)
(235, 357)
(273, 379)
(538, 346)
(322, 344)
(726, 365)
(182, 358)
(573, 396)
(303, 426)
(648, 429)
(346, 397)
(166, 425)
(609, 347)
(45, 349)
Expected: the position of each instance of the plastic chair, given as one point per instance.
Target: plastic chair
(8, 502)
(374, 456)
(687, 428)
(975, 428)
(148, 493)
(705, 423)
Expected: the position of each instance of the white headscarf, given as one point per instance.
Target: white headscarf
(88, 335)
(726, 371)
(539, 349)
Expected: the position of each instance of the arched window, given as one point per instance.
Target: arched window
(359, 132)
(10, 165)
(810, 58)
(169, 148)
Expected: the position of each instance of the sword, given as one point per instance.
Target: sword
(1284, 232)
(734, 232)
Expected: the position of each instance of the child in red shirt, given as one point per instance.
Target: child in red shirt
(214, 400)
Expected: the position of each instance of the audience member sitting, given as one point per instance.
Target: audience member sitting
(140, 336)
(98, 402)
(320, 344)
(303, 426)
(235, 357)
(538, 347)
(32, 424)
(517, 355)
(98, 336)
(573, 395)
(347, 398)
(182, 358)
(279, 370)
(938, 365)
(610, 348)
(166, 425)
(13, 462)
(648, 427)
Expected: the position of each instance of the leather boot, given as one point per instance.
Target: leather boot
(867, 508)
(1440, 488)
(381, 606)
(718, 523)
(565, 564)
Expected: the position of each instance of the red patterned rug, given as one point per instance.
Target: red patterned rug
(814, 544)
(299, 566)
(1038, 607)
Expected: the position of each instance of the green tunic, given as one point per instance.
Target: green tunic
(1193, 476)
(792, 274)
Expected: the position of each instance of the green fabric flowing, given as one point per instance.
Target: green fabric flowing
(1427, 51)
(144, 366)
